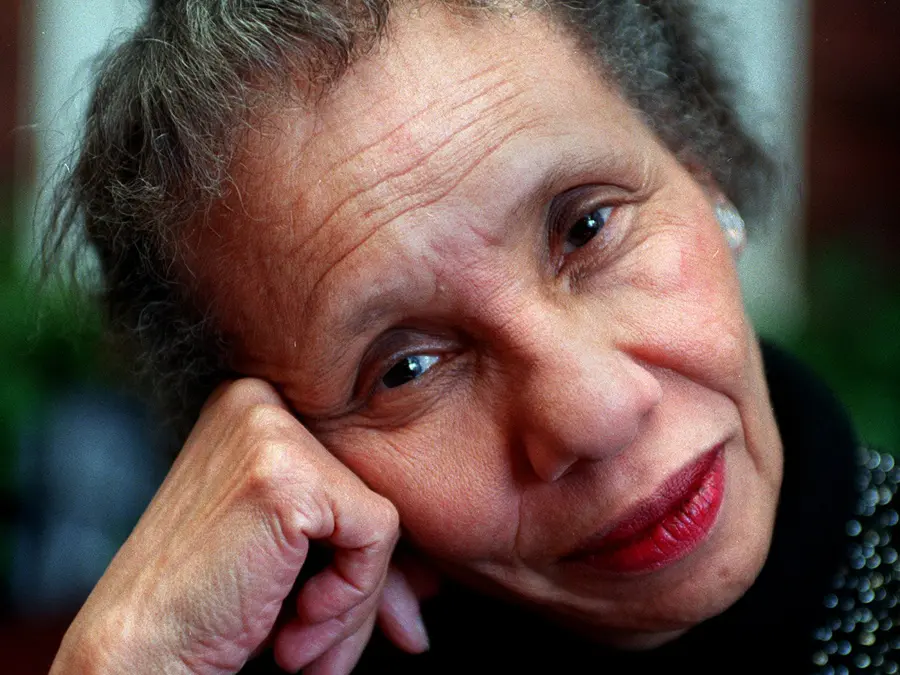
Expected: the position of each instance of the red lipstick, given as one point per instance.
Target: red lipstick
(666, 526)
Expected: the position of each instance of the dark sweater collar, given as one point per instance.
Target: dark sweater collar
(779, 612)
(817, 494)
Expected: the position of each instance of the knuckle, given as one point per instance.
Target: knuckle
(248, 392)
(278, 480)
(272, 484)
(257, 426)
(272, 466)
(264, 419)
(388, 516)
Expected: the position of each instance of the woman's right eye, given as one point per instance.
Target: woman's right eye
(586, 228)
(408, 369)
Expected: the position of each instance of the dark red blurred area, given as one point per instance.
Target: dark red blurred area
(11, 43)
(854, 136)
(28, 645)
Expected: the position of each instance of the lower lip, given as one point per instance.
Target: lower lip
(673, 536)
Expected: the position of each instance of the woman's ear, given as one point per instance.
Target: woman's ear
(732, 224)
(730, 220)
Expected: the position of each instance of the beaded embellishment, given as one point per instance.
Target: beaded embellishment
(862, 632)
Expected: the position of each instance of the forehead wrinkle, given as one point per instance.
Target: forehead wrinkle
(501, 82)
(372, 309)
(373, 147)
(410, 197)
(412, 188)
(296, 253)
(385, 138)
(475, 141)
(420, 159)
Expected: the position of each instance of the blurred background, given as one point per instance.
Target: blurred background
(80, 457)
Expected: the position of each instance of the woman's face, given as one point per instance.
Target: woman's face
(490, 291)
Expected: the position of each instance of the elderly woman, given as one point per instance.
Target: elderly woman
(457, 284)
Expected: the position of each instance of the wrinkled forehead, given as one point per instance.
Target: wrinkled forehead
(446, 116)
(439, 87)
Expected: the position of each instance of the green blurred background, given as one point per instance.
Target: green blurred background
(824, 279)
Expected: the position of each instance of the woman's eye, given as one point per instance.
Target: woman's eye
(407, 369)
(586, 228)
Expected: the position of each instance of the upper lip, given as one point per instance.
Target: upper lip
(667, 497)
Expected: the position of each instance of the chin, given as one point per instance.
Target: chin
(639, 642)
(659, 607)
(672, 617)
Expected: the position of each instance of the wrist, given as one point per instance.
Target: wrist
(113, 646)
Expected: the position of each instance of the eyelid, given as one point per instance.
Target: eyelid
(393, 363)
(573, 204)
(567, 207)
(387, 351)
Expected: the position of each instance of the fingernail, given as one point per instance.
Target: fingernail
(420, 633)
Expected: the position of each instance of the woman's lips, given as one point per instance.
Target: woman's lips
(664, 527)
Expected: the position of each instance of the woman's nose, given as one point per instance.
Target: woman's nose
(582, 401)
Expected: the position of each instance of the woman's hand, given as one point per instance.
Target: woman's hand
(198, 585)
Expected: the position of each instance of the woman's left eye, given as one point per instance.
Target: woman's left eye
(408, 369)
(586, 228)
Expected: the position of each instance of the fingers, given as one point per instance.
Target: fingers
(399, 615)
(343, 657)
(321, 650)
(310, 495)
(352, 578)
(228, 533)
(337, 607)
(363, 529)
(331, 644)
(335, 643)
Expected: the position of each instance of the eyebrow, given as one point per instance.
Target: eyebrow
(358, 317)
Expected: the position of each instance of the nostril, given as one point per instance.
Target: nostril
(580, 406)
(560, 470)
(549, 465)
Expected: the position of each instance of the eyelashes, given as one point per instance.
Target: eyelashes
(572, 225)
(400, 357)
(408, 369)
(585, 228)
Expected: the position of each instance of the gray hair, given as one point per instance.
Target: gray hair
(172, 102)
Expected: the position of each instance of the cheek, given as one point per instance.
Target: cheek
(450, 483)
(684, 313)
(681, 307)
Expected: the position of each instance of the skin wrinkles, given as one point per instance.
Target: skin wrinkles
(364, 318)
(477, 144)
(478, 140)
(374, 145)
(401, 131)
(420, 200)
(418, 204)
(470, 114)
(407, 188)
(561, 409)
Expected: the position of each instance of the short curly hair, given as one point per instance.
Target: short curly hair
(172, 102)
